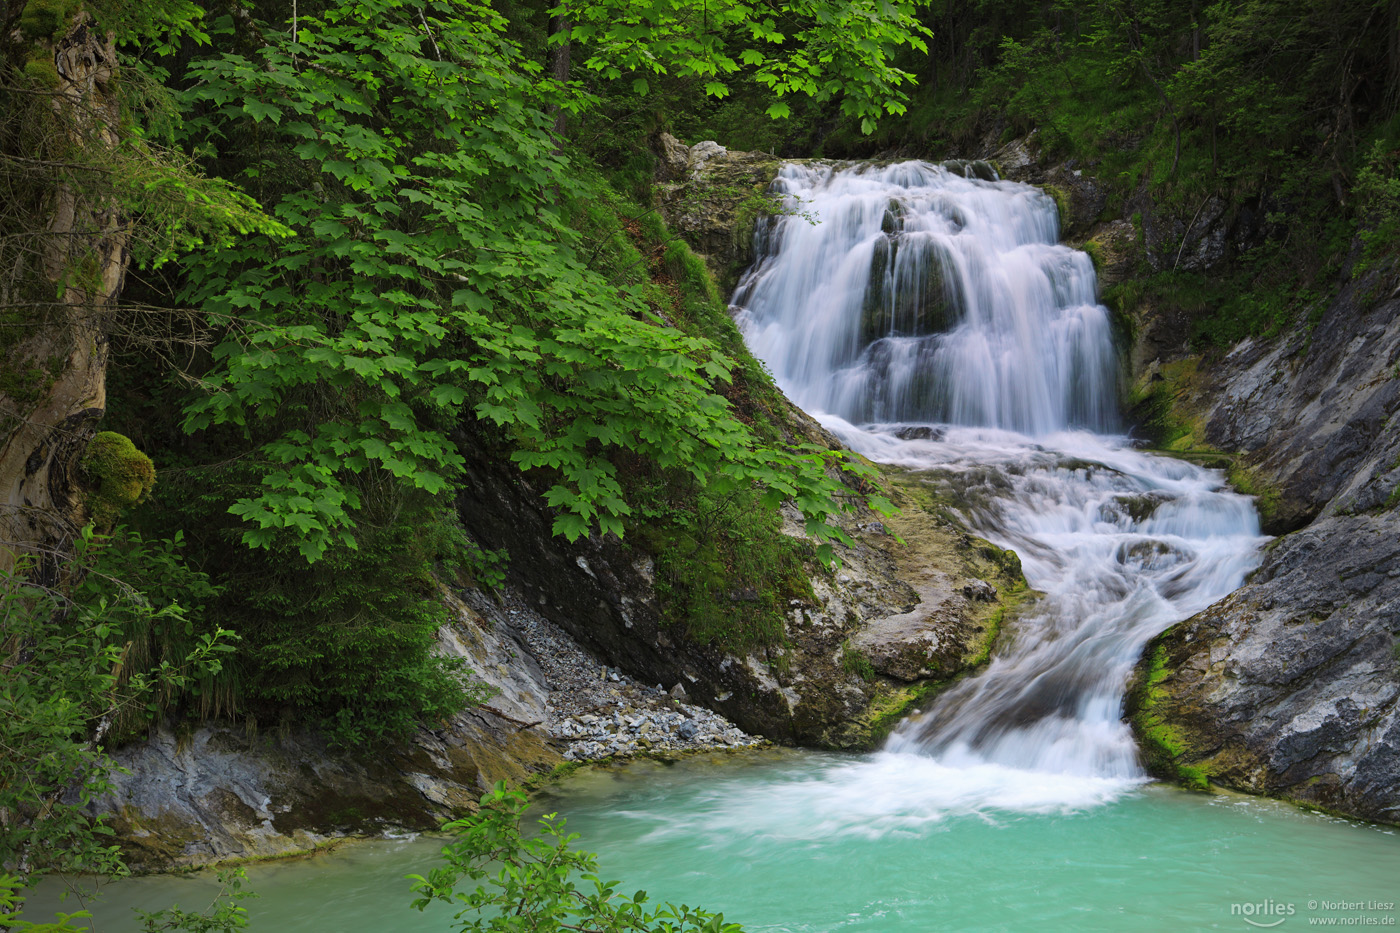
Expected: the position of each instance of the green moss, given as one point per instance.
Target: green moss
(47, 19)
(1159, 405)
(118, 476)
(555, 775)
(41, 70)
(892, 703)
(1095, 250)
(1063, 204)
(855, 661)
(1163, 745)
(989, 637)
(1266, 494)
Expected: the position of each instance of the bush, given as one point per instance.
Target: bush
(541, 883)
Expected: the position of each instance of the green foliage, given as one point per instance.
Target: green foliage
(64, 687)
(724, 571)
(118, 476)
(223, 915)
(540, 883)
(11, 902)
(1378, 205)
(433, 277)
(160, 605)
(346, 645)
(822, 50)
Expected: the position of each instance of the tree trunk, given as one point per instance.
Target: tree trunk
(54, 388)
(559, 68)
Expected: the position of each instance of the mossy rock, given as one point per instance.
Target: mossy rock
(1166, 751)
(47, 19)
(118, 476)
(41, 70)
(1063, 205)
(908, 299)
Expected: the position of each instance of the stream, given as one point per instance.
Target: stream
(934, 323)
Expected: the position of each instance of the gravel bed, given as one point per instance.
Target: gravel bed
(601, 712)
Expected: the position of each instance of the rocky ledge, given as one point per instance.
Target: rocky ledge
(1289, 686)
(601, 712)
(221, 792)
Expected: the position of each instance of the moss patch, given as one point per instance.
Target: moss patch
(1062, 203)
(47, 19)
(1267, 495)
(118, 476)
(1162, 405)
(1163, 745)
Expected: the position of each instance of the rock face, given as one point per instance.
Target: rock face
(711, 196)
(1312, 412)
(822, 687)
(1289, 686)
(222, 793)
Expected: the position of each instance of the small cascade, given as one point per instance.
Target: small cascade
(933, 321)
(924, 296)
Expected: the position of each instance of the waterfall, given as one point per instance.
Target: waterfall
(924, 296)
(933, 321)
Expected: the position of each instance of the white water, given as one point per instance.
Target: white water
(996, 393)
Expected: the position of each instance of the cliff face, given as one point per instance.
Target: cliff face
(1311, 413)
(1289, 687)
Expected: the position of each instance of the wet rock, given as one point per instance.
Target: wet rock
(675, 156)
(1289, 686)
(920, 432)
(1314, 426)
(979, 590)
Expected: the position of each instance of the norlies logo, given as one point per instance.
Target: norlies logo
(1264, 910)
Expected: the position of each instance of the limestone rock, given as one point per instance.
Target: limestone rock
(675, 156)
(713, 197)
(1289, 686)
(224, 793)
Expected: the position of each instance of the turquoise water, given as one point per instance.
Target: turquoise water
(789, 842)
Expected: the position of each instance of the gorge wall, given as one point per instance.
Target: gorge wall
(1289, 687)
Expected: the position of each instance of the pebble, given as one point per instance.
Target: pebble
(601, 712)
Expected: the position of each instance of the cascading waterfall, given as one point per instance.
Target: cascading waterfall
(923, 296)
(933, 321)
